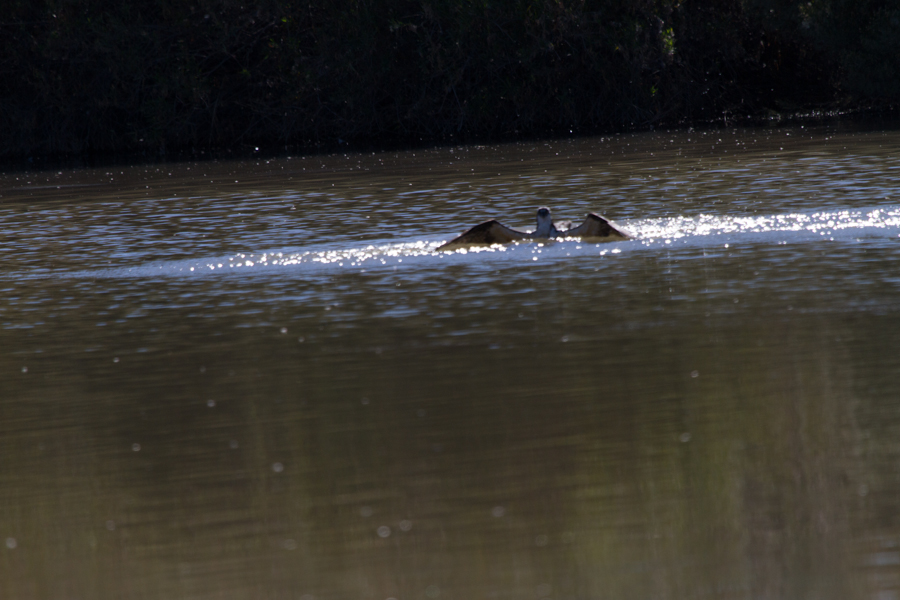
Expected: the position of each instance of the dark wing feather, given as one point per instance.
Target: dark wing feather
(596, 227)
(485, 234)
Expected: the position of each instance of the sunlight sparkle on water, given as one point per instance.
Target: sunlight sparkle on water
(822, 223)
(700, 229)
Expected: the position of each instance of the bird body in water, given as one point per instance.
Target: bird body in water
(594, 228)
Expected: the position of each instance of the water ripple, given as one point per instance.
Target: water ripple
(649, 235)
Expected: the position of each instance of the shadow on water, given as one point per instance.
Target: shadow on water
(337, 411)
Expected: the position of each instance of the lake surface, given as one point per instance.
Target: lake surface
(242, 380)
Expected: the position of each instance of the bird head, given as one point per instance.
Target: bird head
(544, 223)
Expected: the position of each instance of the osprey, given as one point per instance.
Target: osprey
(594, 228)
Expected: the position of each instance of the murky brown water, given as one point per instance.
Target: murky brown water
(257, 380)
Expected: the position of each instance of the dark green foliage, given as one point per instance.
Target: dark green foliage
(98, 75)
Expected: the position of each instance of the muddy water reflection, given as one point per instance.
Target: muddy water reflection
(708, 411)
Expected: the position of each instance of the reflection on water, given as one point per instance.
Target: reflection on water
(258, 380)
(654, 234)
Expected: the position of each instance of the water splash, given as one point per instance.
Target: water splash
(649, 235)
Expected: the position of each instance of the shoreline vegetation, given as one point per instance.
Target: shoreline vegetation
(184, 77)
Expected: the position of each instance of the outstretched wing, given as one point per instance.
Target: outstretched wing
(489, 232)
(595, 226)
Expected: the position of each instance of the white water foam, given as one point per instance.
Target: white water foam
(649, 234)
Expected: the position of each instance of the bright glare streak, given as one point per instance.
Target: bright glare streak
(819, 222)
(647, 232)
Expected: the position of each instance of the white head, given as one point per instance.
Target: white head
(545, 226)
